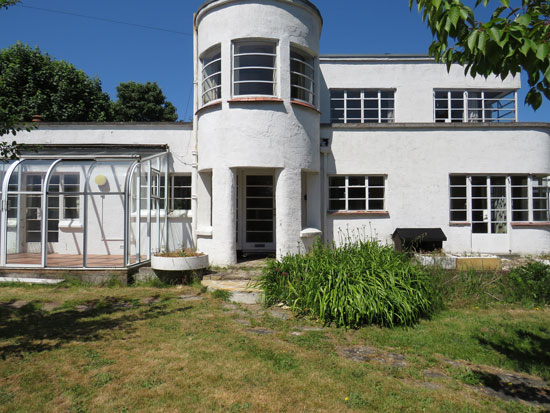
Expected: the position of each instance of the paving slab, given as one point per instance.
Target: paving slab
(192, 297)
(260, 331)
(243, 322)
(18, 304)
(241, 291)
(44, 281)
(51, 306)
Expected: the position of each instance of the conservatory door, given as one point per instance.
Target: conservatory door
(490, 223)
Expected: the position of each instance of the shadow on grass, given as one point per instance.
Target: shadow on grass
(528, 351)
(35, 330)
(512, 387)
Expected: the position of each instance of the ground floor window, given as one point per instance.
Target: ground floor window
(488, 201)
(179, 191)
(61, 204)
(356, 193)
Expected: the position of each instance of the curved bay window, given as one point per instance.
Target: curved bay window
(254, 70)
(302, 76)
(211, 75)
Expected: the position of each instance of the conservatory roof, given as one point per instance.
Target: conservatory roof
(92, 151)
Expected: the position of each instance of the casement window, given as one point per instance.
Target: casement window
(254, 70)
(179, 192)
(483, 200)
(356, 193)
(61, 204)
(362, 106)
(302, 76)
(211, 75)
(474, 106)
(530, 198)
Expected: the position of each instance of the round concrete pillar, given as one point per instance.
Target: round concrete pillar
(289, 211)
(224, 243)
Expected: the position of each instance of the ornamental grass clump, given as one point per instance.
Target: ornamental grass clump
(358, 283)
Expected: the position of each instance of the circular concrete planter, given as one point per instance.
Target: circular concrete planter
(179, 263)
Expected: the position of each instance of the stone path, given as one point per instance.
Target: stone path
(238, 280)
(494, 382)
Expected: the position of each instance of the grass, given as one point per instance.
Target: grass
(115, 349)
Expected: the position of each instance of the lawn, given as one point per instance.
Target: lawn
(81, 348)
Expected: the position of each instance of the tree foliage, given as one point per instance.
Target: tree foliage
(6, 3)
(515, 38)
(33, 83)
(143, 102)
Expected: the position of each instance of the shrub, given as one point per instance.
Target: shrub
(531, 282)
(356, 284)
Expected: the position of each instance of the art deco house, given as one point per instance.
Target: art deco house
(286, 146)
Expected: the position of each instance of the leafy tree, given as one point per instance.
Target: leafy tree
(9, 124)
(516, 37)
(138, 102)
(33, 83)
(6, 3)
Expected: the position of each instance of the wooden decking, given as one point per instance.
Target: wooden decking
(68, 260)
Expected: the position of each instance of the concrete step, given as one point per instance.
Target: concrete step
(233, 275)
(241, 291)
(28, 280)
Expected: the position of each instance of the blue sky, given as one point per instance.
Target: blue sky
(119, 53)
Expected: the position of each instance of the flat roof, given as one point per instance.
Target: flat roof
(304, 2)
(437, 126)
(376, 57)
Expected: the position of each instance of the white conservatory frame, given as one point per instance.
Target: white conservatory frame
(139, 162)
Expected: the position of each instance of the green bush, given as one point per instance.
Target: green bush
(359, 283)
(531, 282)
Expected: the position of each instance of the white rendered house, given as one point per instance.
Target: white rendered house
(285, 146)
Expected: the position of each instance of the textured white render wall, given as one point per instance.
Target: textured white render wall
(418, 162)
(413, 80)
(236, 136)
(105, 219)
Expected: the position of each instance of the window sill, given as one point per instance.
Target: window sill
(210, 105)
(180, 213)
(367, 213)
(257, 99)
(459, 224)
(205, 232)
(305, 105)
(531, 224)
(177, 213)
(68, 224)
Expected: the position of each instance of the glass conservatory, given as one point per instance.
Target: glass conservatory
(95, 208)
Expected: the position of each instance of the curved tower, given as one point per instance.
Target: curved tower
(257, 126)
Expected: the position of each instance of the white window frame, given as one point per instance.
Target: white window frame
(510, 197)
(366, 199)
(236, 68)
(210, 58)
(305, 61)
(467, 111)
(61, 196)
(362, 93)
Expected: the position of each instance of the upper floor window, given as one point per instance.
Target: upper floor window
(356, 193)
(302, 76)
(474, 106)
(211, 75)
(254, 68)
(362, 106)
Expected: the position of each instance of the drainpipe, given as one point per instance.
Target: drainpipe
(195, 172)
